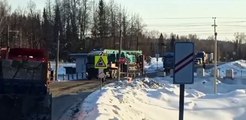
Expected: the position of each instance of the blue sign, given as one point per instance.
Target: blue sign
(184, 65)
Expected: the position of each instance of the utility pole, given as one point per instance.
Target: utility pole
(20, 38)
(120, 47)
(215, 56)
(8, 37)
(137, 41)
(57, 56)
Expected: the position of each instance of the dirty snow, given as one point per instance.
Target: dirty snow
(157, 98)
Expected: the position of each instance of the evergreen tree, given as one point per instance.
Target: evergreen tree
(45, 28)
(172, 43)
(57, 30)
(102, 24)
(57, 24)
(161, 45)
(124, 31)
(94, 31)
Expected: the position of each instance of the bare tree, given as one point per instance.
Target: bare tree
(113, 23)
(240, 38)
(83, 19)
(94, 28)
(125, 27)
(4, 12)
(49, 11)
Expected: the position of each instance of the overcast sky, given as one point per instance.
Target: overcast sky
(182, 16)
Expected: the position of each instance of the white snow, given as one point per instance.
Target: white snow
(239, 68)
(158, 99)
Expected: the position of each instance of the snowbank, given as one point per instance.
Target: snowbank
(239, 68)
(157, 98)
(151, 100)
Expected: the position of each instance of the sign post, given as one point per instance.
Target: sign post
(184, 70)
(101, 63)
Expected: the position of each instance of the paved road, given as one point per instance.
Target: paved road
(62, 103)
(66, 94)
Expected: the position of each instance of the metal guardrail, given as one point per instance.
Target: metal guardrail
(77, 76)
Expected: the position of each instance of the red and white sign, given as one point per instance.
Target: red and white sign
(122, 60)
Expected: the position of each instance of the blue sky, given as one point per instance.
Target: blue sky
(183, 16)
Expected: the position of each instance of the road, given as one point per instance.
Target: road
(66, 94)
(63, 103)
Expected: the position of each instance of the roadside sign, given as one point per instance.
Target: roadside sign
(183, 71)
(184, 65)
(122, 60)
(101, 62)
(101, 74)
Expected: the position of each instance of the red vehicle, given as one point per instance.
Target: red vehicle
(24, 84)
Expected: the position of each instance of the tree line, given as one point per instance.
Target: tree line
(227, 50)
(83, 25)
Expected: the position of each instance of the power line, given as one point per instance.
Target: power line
(179, 18)
(232, 17)
(238, 21)
(193, 24)
(176, 25)
(233, 25)
(163, 18)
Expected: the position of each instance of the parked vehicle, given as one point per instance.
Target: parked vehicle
(24, 84)
(201, 55)
(198, 61)
(204, 58)
(168, 62)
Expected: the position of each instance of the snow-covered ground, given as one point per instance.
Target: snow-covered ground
(158, 99)
(239, 68)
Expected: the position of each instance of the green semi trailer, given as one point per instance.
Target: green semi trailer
(131, 62)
